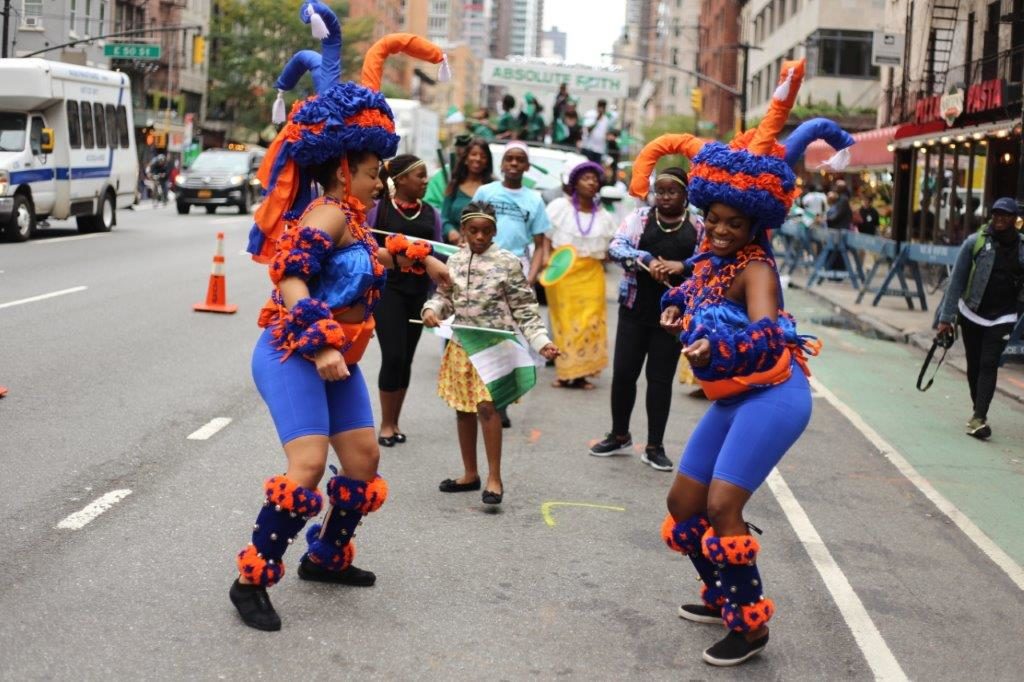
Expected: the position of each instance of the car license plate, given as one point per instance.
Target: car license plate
(205, 193)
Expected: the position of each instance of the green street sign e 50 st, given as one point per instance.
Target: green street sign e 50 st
(131, 51)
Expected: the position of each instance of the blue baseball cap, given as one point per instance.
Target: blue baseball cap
(1006, 205)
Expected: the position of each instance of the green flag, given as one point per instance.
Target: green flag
(502, 362)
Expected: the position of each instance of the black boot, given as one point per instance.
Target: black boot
(351, 575)
(253, 604)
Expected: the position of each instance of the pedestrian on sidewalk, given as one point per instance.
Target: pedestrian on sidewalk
(401, 210)
(328, 273)
(576, 302)
(651, 245)
(488, 291)
(986, 293)
(744, 349)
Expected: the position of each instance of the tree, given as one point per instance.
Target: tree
(251, 41)
(671, 123)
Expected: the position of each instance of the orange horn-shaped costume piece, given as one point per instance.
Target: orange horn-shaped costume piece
(395, 43)
(791, 75)
(676, 143)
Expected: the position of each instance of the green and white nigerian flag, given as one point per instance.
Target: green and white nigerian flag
(502, 362)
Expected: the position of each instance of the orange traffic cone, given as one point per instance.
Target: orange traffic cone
(3, 391)
(217, 291)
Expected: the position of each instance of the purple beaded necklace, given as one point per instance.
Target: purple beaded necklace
(576, 214)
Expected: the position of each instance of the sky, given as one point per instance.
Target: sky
(590, 32)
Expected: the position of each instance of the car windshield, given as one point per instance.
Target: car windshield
(12, 132)
(224, 162)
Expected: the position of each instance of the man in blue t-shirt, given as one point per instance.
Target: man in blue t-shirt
(522, 219)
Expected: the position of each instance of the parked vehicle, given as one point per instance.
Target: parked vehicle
(220, 177)
(66, 146)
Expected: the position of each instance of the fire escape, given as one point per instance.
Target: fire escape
(942, 25)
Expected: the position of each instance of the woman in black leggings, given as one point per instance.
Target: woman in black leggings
(401, 209)
(651, 245)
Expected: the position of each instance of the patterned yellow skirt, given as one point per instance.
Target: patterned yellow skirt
(579, 325)
(459, 383)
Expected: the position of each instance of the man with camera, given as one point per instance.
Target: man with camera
(986, 293)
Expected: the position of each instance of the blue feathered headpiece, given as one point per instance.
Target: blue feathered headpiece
(753, 173)
(340, 119)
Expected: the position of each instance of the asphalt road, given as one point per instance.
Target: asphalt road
(892, 542)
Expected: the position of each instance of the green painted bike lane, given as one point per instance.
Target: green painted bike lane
(875, 378)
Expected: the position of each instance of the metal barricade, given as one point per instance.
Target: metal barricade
(832, 243)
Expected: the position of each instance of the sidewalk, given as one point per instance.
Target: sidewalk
(892, 320)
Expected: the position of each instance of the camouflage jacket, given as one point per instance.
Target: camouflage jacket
(490, 290)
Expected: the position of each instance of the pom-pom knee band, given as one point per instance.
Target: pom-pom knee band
(749, 617)
(355, 495)
(731, 549)
(684, 536)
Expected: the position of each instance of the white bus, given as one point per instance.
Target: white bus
(67, 146)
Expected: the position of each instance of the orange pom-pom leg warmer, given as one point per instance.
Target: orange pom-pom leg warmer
(330, 545)
(745, 609)
(685, 537)
(287, 507)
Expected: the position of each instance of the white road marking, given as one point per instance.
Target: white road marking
(42, 297)
(78, 520)
(72, 238)
(211, 427)
(881, 660)
(975, 534)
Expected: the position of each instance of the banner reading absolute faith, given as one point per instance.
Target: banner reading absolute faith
(579, 79)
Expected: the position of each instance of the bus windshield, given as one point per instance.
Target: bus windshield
(12, 132)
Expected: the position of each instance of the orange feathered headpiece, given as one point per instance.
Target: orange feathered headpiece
(340, 119)
(749, 174)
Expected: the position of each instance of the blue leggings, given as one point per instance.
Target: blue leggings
(739, 440)
(303, 404)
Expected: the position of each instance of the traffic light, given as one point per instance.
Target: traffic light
(697, 100)
(198, 50)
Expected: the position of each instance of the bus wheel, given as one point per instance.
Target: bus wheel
(23, 220)
(103, 221)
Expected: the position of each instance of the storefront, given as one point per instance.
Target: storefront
(959, 153)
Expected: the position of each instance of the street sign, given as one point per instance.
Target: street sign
(545, 76)
(886, 49)
(131, 51)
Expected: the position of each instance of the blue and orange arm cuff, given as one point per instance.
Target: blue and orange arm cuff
(755, 348)
(675, 296)
(300, 254)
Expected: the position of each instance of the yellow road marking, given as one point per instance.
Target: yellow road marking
(545, 509)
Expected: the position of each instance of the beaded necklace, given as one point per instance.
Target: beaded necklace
(400, 210)
(667, 230)
(576, 214)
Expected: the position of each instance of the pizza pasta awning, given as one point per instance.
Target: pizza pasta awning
(870, 151)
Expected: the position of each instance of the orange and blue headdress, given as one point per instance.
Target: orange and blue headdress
(340, 119)
(753, 173)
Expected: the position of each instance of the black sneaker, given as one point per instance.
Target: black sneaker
(701, 613)
(253, 604)
(979, 428)
(356, 577)
(655, 458)
(612, 445)
(733, 649)
(506, 423)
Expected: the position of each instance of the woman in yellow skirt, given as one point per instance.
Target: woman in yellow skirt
(577, 301)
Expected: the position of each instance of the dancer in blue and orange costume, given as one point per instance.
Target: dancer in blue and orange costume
(745, 352)
(328, 274)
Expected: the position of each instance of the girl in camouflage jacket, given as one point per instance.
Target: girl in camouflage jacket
(488, 290)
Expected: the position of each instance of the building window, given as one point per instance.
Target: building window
(793, 7)
(32, 8)
(675, 56)
(844, 53)
(781, 11)
(72, 14)
(672, 86)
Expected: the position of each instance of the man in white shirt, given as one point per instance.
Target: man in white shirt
(597, 123)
